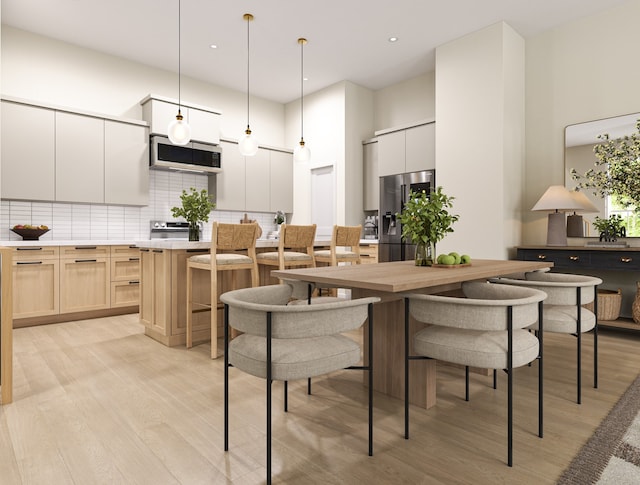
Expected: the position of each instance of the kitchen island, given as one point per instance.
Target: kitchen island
(388, 281)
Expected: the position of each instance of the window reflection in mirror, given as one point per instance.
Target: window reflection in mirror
(579, 142)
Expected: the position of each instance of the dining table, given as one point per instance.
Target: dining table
(390, 281)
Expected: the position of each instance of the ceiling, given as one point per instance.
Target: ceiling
(348, 39)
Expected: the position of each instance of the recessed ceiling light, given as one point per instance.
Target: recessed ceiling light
(305, 78)
(393, 39)
(213, 46)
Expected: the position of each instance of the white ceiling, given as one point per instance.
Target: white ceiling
(347, 38)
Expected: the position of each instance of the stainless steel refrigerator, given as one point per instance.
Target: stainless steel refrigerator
(394, 191)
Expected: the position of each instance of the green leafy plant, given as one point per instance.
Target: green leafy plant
(425, 217)
(196, 206)
(610, 229)
(617, 169)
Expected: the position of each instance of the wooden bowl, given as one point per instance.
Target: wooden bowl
(30, 234)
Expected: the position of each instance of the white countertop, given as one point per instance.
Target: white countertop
(154, 243)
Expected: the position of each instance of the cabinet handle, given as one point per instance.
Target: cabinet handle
(574, 258)
(29, 262)
(158, 250)
(86, 247)
(134, 282)
(144, 250)
(134, 259)
(197, 250)
(86, 260)
(626, 260)
(29, 249)
(133, 247)
(542, 256)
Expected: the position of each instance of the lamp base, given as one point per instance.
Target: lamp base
(556, 229)
(575, 226)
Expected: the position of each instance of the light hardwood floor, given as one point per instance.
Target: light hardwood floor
(96, 401)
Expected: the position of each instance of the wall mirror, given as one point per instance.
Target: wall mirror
(579, 142)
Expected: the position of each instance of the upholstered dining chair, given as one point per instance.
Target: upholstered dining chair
(283, 342)
(564, 311)
(295, 248)
(233, 248)
(484, 329)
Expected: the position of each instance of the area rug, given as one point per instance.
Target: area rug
(612, 454)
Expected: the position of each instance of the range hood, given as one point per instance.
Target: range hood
(192, 157)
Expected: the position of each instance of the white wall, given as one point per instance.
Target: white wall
(42, 69)
(406, 102)
(581, 71)
(480, 121)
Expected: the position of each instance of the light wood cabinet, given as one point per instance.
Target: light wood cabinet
(79, 154)
(409, 150)
(371, 179)
(36, 283)
(125, 276)
(368, 253)
(155, 294)
(204, 123)
(85, 282)
(126, 164)
(28, 152)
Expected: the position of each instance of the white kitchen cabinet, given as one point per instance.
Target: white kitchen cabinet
(409, 150)
(79, 155)
(205, 124)
(371, 179)
(258, 181)
(230, 183)
(281, 181)
(126, 164)
(28, 155)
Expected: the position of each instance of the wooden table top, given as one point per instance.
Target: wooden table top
(401, 276)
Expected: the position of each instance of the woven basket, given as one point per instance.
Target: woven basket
(609, 302)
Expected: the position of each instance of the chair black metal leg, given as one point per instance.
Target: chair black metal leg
(466, 382)
(510, 387)
(269, 384)
(406, 368)
(579, 352)
(540, 334)
(370, 317)
(226, 377)
(286, 396)
(495, 378)
(595, 340)
(309, 386)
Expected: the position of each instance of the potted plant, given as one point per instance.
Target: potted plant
(426, 220)
(195, 208)
(610, 229)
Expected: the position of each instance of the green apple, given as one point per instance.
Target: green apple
(449, 259)
(465, 259)
(440, 257)
(456, 257)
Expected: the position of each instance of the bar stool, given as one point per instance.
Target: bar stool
(295, 248)
(233, 248)
(343, 237)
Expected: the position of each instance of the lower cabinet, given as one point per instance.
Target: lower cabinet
(369, 253)
(85, 282)
(125, 276)
(155, 297)
(36, 282)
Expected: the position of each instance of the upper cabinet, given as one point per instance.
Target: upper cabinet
(371, 186)
(408, 150)
(53, 154)
(204, 122)
(260, 183)
(28, 152)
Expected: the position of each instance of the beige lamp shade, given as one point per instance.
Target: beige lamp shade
(557, 199)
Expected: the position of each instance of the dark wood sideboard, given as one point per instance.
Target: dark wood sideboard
(587, 260)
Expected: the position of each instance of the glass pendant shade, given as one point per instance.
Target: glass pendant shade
(302, 153)
(179, 131)
(248, 145)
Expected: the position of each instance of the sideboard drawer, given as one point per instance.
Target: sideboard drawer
(560, 258)
(616, 260)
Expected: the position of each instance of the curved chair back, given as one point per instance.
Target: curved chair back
(248, 308)
(296, 236)
(483, 307)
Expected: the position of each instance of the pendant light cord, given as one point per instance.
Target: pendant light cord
(248, 50)
(179, 54)
(302, 91)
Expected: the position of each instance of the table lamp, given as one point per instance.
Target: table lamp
(575, 225)
(557, 199)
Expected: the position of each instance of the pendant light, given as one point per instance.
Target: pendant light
(248, 145)
(302, 152)
(179, 131)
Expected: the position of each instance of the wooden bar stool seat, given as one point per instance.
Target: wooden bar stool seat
(295, 248)
(345, 246)
(233, 248)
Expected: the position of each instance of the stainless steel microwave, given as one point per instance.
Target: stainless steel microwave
(192, 157)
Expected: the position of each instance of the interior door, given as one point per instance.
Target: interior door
(323, 205)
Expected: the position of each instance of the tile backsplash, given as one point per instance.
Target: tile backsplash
(116, 222)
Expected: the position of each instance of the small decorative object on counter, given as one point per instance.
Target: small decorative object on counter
(30, 232)
(425, 221)
(196, 207)
(279, 219)
(610, 229)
